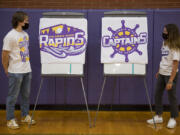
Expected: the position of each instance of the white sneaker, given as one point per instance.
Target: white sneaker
(171, 123)
(12, 124)
(157, 119)
(27, 119)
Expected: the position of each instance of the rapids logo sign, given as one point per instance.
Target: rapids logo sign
(62, 40)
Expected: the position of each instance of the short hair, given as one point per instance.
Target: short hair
(19, 16)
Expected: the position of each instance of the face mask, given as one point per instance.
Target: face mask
(26, 26)
(164, 36)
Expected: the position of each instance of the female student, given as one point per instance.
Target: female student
(167, 75)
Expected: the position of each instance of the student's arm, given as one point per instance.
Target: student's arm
(157, 74)
(5, 60)
(173, 74)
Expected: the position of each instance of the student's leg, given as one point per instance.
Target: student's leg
(173, 98)
(15, 81)
(25, 93)
(160, 86)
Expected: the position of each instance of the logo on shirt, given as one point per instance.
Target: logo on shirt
(62, 41)
(124, 40)
(164, 52)
(24, 51)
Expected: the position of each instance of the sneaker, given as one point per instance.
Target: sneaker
(27, 119)
(157, 119)
(171, 123)
(12, 124)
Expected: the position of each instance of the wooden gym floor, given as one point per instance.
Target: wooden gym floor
(76, 123)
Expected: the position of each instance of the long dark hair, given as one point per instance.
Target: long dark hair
(19, 16)
(173, 41)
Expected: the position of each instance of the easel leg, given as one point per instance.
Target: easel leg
(36, 102)
(65, 89)
(89, 117)
(100, 100)
(148, 97)
(114, 87)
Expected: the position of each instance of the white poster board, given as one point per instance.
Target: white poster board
(63, 43)
(124, 45)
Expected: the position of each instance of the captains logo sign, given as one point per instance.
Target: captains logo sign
(124, 41)
(62, 41)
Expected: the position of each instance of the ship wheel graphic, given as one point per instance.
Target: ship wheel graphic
(124, 32)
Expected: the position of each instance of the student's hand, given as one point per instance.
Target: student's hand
(169, 86)
(157, 74)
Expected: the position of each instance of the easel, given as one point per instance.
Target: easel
(62, 15)
(123, 14)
